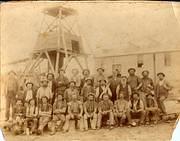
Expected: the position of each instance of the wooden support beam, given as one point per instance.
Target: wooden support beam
(50, 63)
(77, 60)
(57, 63)
(67, 62)
(154, 66)
(33, 64)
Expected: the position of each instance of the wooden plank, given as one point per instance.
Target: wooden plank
(57, 63)
(50, 63)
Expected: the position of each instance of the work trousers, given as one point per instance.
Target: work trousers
(92, 120)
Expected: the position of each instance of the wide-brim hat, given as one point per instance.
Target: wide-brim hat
(45, 97)
(72, 81)
(29, 83)
(161, 73)
(50, 74)
(61, 70)
(88, 78)
(102, 80)
(150, 93)
(12, 72)
(85, 70)
(91, 94)
(100, 68)
(145, 71)
(131, 69)
(135, 93)
(44, 80)
(103, 94)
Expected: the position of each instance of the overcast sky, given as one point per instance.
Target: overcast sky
(103, 25)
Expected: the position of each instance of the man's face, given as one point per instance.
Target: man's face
(114, 72)
(91, 98)
(61, 72)
(29, 86)
(161, 77)
(59, 98)
(135, 96)
(32, 102)
(44, 83)
(11, 74)
(121, 96)
(102, 83)
(131, 72)
(74, 97)
(100, 71)
(71, 84)
(50, 77)
(86, 73)
(19, 102)
(88, 82)
(145, 74)
(123, 80)
(75, 71)
(44, 100)
(105, 97)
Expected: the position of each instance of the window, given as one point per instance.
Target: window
(167, 59)
(140, 61)
(75, 46)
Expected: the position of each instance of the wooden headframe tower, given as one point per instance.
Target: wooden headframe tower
(56, 44)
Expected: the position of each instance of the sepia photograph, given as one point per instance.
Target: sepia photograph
(90, 71)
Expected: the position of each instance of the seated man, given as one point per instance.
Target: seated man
(137, 108)
(31, 117)
(152, 110)
(45, 110)
(75, 111)
(59, 110)
(121, 110)
(105, 109)
(90, 112)
(19, 116)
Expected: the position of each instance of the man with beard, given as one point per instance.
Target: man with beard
(90, 112)
(86, 74)
(99, 76)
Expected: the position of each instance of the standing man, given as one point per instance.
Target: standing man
(52, 85)
(113, 83)
(11, 92)
(105, 109)
(75, 111)
(147, 85)
(62, 82)
(99, 76)
(162, 91)
(90, 112)
(133, 80)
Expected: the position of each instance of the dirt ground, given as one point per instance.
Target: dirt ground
(160, 132)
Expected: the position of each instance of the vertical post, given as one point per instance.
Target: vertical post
(61, 35)
(57, 63)
(154, 66)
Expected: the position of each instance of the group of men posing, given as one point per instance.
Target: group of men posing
(92, 102)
